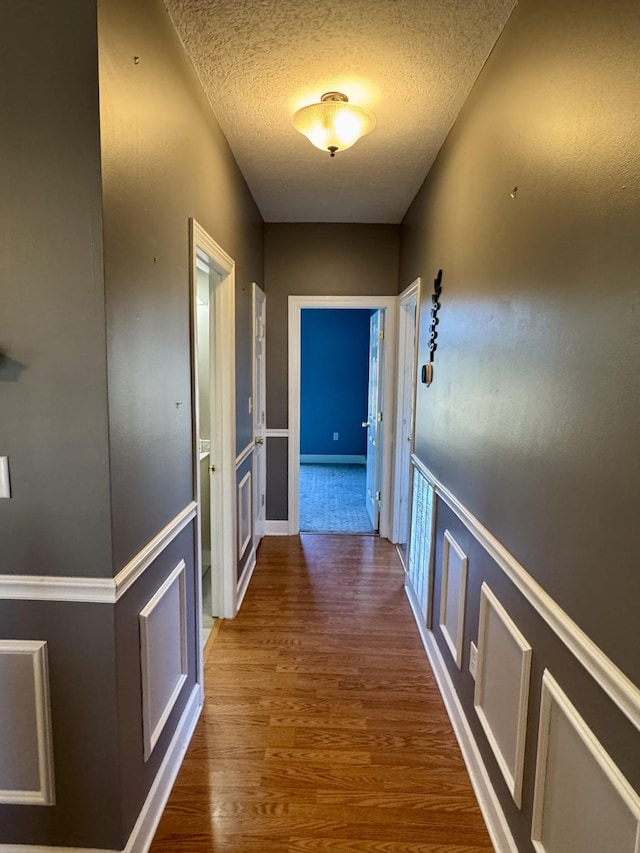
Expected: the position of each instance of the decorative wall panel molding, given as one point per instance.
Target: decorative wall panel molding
(245, 454)
(95, 590)
(421, 535)
(26, 750)
(494, 816)
(502, 688)
(453, 591)
(163, 654)
(245, 514)
(613, 681)
(149, 818)
(581, 800)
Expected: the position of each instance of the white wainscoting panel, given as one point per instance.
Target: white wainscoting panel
(26, 752)
(244, 514)
(453, 593)
(163, 650)
(582, 802)
(502, 688)
(420, 540)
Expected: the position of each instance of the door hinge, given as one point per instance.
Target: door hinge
(212, 469)
(379, 417)
(381, 334)
(261, 500)
(378, 495)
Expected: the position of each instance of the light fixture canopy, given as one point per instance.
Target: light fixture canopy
(334, 124)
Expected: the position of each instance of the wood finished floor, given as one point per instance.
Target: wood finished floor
(323, 728)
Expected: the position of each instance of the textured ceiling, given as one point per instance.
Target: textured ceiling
(412, 62)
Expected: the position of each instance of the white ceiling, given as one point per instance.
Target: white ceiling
(412, 62)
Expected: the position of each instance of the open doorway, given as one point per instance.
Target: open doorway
(213, 370)
(369, 457)
(408, 321)
(334, 380)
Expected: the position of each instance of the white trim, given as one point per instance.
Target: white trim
(551, 691)
(244, 502)
(127, 576)
(296, 304)
(328, 459)
(276, 528)
(153, 731)
(223, 484)
(45, 588)
(414, 290)
(277, 433)
(45, 795)
(454, 643)
(240, 458)
(513, 775)
(149, 817)
(245, 578)
(494, 817)
(95, 590)
(613, 681)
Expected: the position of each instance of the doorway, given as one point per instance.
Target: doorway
(213, 371)
(408, 319)
(334, 378)
(385, 364)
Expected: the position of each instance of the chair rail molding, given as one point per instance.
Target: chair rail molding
(601, 668)
(95, 590)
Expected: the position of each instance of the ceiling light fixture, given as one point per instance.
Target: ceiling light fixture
(334, 124)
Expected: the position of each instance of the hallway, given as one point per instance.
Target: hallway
(323, 728)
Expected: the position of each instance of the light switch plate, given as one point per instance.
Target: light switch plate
(5, 485)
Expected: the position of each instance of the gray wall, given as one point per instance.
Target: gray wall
(68, 433)
(533, 419)
(314, 259)
(164, 159)
(53, 408)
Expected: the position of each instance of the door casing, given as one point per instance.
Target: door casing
(223, 482)
(259, 313)
(407, 369)
(296, 304)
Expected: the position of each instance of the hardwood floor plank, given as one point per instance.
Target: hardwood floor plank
(323, 728)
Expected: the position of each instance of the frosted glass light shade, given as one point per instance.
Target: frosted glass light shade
(334, 124)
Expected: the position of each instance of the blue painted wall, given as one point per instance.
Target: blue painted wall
(334, 378)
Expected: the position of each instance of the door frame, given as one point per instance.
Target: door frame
(259, 418)
(390, 306)
(403, 363)
(223, 492)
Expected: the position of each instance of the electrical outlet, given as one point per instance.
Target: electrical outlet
(5, 485)
(473, 661)
(335, 436)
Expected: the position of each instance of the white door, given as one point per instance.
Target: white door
(407, 321)
(374, 416)
(259, 418)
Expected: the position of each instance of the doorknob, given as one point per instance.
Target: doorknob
(365, 423)
(259, 440)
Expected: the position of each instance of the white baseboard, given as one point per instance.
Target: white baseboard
(276, 528)
(331, 459)
(149, 818)
(494, 817)
(245, 580)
